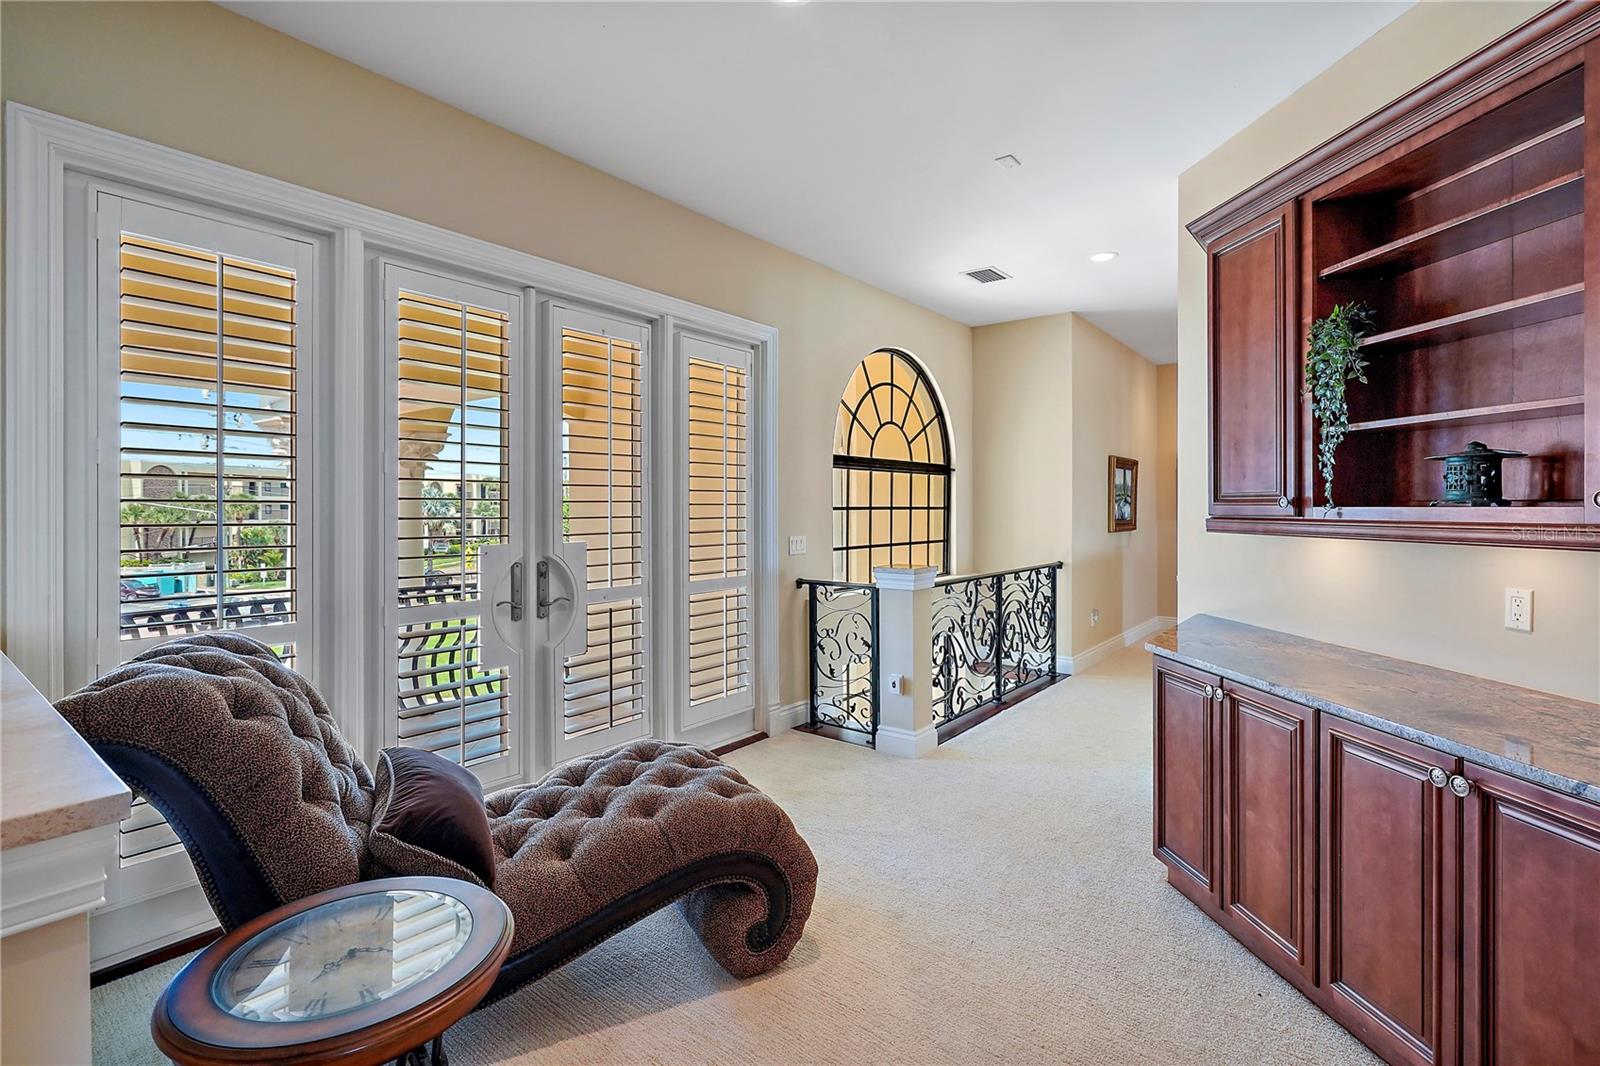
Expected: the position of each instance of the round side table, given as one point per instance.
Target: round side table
(363, 974)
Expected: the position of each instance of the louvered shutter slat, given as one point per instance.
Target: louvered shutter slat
(717, 460)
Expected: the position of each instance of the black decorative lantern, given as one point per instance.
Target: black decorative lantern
(1472, 475)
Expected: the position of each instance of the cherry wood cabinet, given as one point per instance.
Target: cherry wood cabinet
(1442, 912)
(1269, 803)
(1466, 216)
(1388, 844)
(1531, 917)
(1254, 367)
(1188, 739)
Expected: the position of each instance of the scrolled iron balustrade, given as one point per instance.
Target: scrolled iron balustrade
(993, 634)
(843, 655)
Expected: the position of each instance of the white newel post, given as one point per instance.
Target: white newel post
(905, 642)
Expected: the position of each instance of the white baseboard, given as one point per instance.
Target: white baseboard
(1076, 664)
(786, 716)
(905, 743)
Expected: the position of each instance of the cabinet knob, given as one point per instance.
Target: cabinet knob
(1460, 786)
(1438, 777)
(1597, 499)
(1210, 692)
(1283, 503)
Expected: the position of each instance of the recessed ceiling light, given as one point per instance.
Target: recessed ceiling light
(1102, 257)
(1008, 162)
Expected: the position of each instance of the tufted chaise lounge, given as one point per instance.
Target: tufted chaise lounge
(242, 757)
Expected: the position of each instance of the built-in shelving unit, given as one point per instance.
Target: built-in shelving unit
(1469, 248)
(1466, 215)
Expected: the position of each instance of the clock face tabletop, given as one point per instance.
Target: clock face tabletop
(358, 968)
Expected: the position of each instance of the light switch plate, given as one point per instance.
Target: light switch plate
(1519, 610)
(797, 545)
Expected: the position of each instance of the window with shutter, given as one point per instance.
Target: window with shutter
(602, 505)
(207, 441)
(203, 501)
(452, 466)
(717, 522)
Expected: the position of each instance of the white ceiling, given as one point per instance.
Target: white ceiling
(863, 135)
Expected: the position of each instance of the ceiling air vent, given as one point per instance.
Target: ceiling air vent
(985, 275)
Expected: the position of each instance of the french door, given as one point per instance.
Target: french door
(197, 342)
(597, 531)
(456, 371)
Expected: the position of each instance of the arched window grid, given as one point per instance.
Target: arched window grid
(892, 470)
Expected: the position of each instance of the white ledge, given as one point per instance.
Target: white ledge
(904, 579)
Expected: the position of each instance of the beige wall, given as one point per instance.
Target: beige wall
(199, 78)
(1429, 603)
(1053, 399)
(1113, 413)
(1022, 435)
(1165, 495)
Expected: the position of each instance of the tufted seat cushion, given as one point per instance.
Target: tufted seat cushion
(597, 828)
(257, 739)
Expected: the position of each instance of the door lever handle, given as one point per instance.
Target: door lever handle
(515, 602)
(542, 591)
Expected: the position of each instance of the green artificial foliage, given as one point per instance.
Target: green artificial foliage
(1333, 358)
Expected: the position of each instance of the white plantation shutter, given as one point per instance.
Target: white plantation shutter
(453, 442)
(602, 505)
(207, 441)
(202, 502)
(717, 508)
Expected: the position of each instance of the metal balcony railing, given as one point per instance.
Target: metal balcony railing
(843, 655)
(993, 635)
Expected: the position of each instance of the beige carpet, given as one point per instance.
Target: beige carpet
(996, 902)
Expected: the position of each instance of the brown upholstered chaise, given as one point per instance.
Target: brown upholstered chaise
(242, 757)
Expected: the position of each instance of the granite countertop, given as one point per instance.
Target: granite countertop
(51, 782)
(1547, 739)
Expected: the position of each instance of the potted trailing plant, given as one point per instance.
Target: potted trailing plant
(1333, 359)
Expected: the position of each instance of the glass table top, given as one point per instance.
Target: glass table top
(342, 955)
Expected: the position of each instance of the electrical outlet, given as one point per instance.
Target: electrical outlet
(1094, 617)
(797, 545)
(1519, 610)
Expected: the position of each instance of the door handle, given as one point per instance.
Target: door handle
(542, 590)
(515, 602)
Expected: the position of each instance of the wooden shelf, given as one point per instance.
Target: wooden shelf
(1467, 416)
(1539, 206)
(1523, 311)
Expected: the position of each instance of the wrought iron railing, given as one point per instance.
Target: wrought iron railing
(843, 654)
(993, 634)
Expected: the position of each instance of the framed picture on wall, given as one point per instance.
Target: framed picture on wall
(1123, 494)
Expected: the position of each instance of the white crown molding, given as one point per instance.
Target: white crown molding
(54, 879)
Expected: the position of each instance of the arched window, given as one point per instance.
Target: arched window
(891, 470)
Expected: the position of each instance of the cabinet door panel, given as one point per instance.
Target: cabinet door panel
(1269, 832)
(1254, 368)
(1388, 892)
(1186, 776)
(1531, 900)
